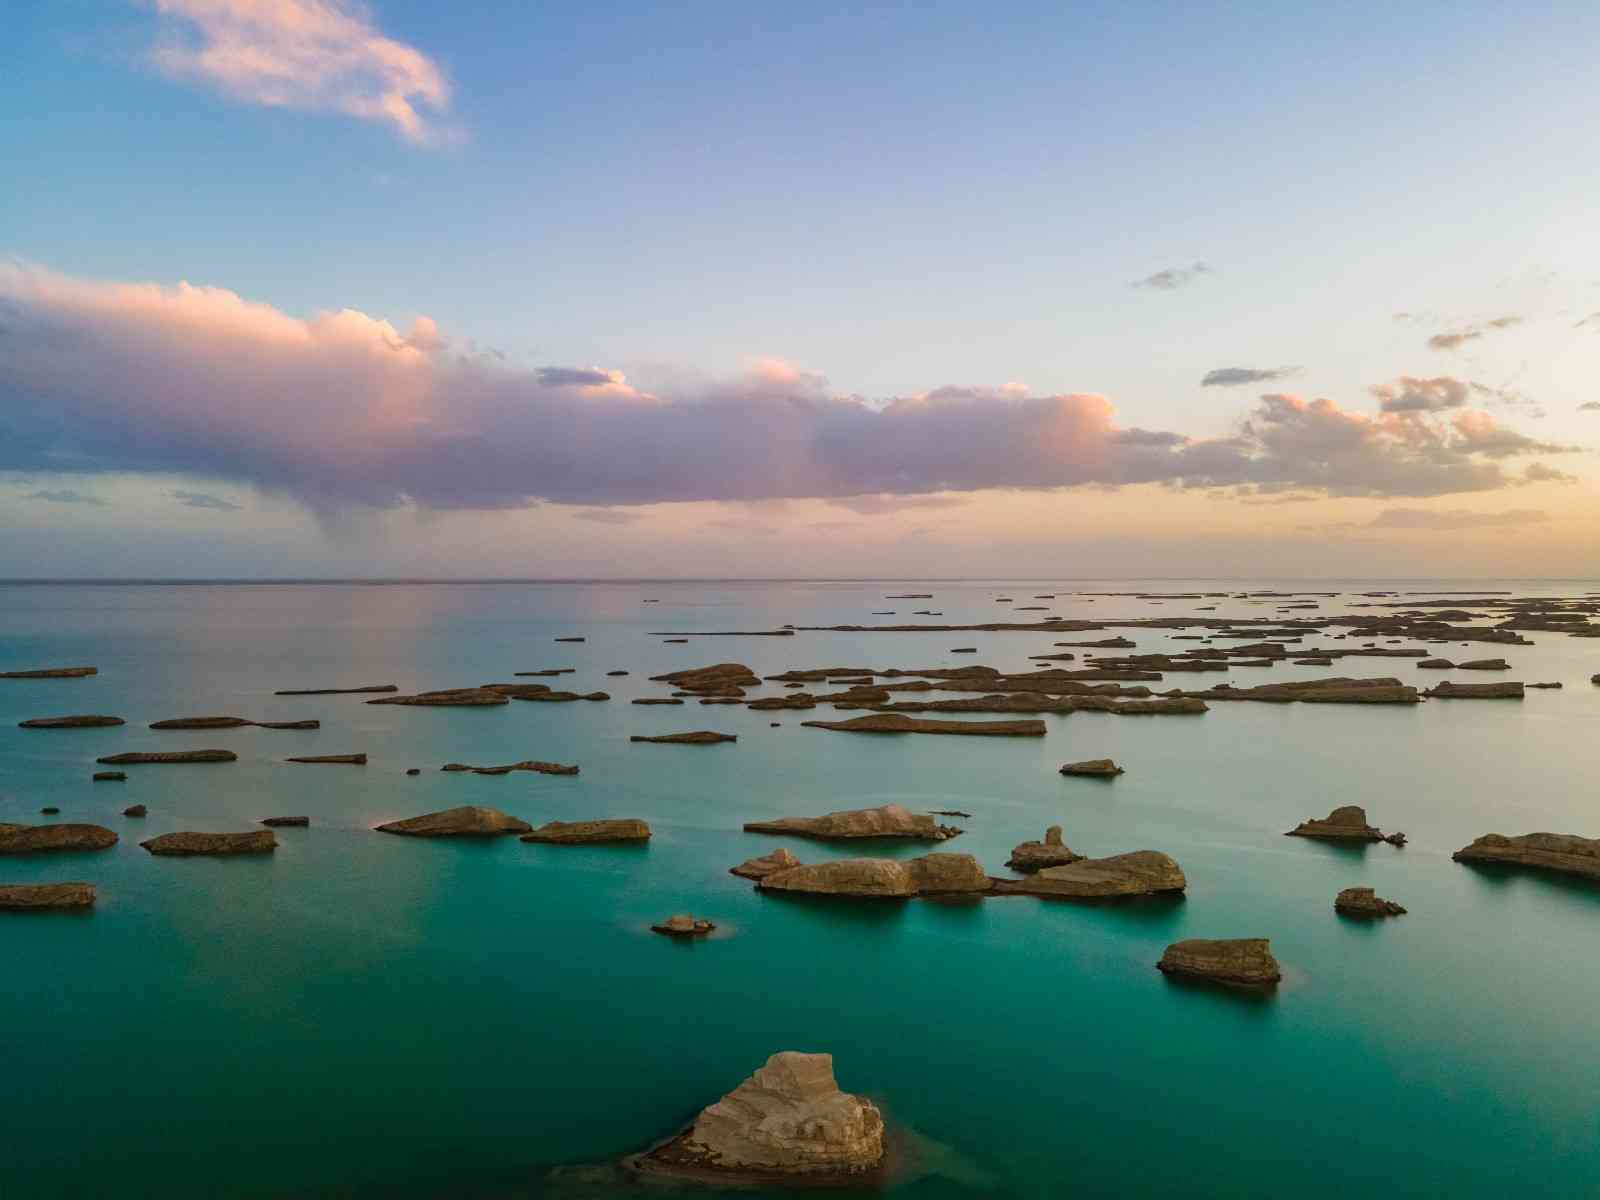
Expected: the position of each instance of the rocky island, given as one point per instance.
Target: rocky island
(1345, 824)
(1562, 853)
(1235, 962)
(883, 878)
(587, 833)
(44, 897)
(1364, 902)
(1138, 873)
(887, 821)
(466, 821)
(254, 841)
(47, 839)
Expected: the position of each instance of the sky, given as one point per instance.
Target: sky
(304, 288)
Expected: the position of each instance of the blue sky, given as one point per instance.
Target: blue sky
(900, 199)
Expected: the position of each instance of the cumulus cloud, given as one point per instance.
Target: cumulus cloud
(1455, 518)
(1410, 394)
(204, 500)
(342, 410)
(308, 54)
(1589, 406)
(1173, 278)
(65, 496)
(1456, 338)
(1240, 376)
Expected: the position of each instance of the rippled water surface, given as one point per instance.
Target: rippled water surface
(368, 1015)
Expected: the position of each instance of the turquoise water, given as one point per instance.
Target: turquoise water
(362, 1015)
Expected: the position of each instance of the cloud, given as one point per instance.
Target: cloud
(1590, 406)
(342, 410)
(1539, 473)
(204, 500)
(577, 376)
(65, 496)
(1173, 278)
(1455, 518)
(881, 503)
(317, 55)
(1456, 338)
(607, 516)
(1410, 394)
(1238, 376)
(1591, 319)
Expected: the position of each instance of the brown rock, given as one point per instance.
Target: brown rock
(449, 698)
(658, 700)
(413, 771)
(883, 878)
(759, 868)
(788, 1120)
(168, 756)
(1346, 824)
(1485, 664)
(724, 678)
(1099, 768)
(549, 697)
(286, 822)
(700, 737)
(231, 723)
(134, 810)
(1436, 664)
(1508, 690)
(40, 897)
(887, 821)
(352, 691)
(51, 673)
(46, 839)
(1364, 902)
(583, 833)
(1237, 962)
(50, 810)
(256, 841)
(1036, 856)
(110, 777)
(87, 721)
(684, 925)
(466, 821)
(542, 768)
(1564, 853)
(347, 760)
(1140, 873)
(896, 723)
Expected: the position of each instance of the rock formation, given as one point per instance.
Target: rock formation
(658, 700)
(883, 878)
(887, 821)
(1509, 690)
(896, 723)
(168, 756)
(700, 737)
(1139, 873)
(542, 768)
(85, 721)
(286, 822)
(134, 810)
(1099, 768)
(51, 673)
(1566, 853)
(1345, 824)
(46, 839)
(759, 868)
(1036, 856)
(255, 841)
(110, 777)
(466, 821)
(449, 698)
(789, 1119)
(230, 723)
(684, 925)
(1436, 664)
(40, 897)
(580, 833)
(351, 691)
(1485, 664)
(724, 679)
(347, 760)
(1364, 902)
(1237, 962)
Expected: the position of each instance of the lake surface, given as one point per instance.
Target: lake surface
(362, 1015)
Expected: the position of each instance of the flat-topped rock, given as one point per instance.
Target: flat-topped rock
(788, 1120)
(286, 822)
(658, 700)
(49, 839)
(347, 691)
(1436, 664)
(549, 697)
(346, 760)
(759, 868)
(884, 878)
(1386, 690)
(1364, 902)
(1347, 823)
(82, 721)
(469, 820)
(1099, 768)
(51, 673)
(110, 777)
(684, 925)
(700, 737)
(1484, 664)
(135, 757)
(1138, 873)
(1507, 690)
(42, 897)
(897, 723)
(527, 764)
(717, 679)
(1237, 962)
(254, 841)
(1036, 856)
(231, 723)
(576, 833)
(1565, 853)
(448, 698)
(886, 821)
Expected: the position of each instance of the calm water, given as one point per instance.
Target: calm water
(367, 1015)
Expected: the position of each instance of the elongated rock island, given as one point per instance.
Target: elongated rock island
(1562, 853)
(582, 833)
(42, 897)
(897, 723)
(700, 737)
(884, 878)
(47, 839)
(254, 841)
(466, 821)
(1236, 962)
(887, 821)
(81, 721)
(1138, 873)
(135, 757)
(1345, 824)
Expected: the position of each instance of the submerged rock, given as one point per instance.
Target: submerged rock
(51, 673)
(1348, 824)
(1237, 962)
(39, 897)
(1139, 873)
(134, 757)
(789, 1119)
(84, 721)
(759, 868)
(110, 777)
(684, 925)
(700, 737)
(1566, 853)
(887, 821)
(47, 839)
(467, 821)
(1102, 768)
(897, 723)
(49, 810)
(627, 829)
(255, 841)
(1036, 856)
(1364, 902)
(348, 760)
(286, 822)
